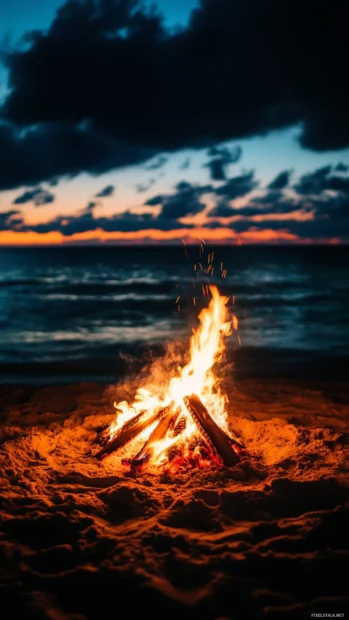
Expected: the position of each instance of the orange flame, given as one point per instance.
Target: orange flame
(207, 347)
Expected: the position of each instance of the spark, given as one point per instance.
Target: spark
(235, 322)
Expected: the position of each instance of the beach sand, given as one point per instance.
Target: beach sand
(87, 540)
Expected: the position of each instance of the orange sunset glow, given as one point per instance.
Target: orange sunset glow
(213, 236)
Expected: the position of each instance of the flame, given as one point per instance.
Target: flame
(207, 347)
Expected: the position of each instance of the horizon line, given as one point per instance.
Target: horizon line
(78, 245)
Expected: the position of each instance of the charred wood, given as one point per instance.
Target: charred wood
(159, 433)
(217, 439)
(131, 429)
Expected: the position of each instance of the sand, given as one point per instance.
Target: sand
(87, 540)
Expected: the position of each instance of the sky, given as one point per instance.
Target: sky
(214, 119)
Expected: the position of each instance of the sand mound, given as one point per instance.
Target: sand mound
(267, 538)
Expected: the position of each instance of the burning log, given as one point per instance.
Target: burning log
(179, 427)
(130, 430)
(217, 439)
(159, 433)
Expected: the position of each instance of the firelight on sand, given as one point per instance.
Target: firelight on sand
(178, 424)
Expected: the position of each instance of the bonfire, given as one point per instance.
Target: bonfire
(183, 420)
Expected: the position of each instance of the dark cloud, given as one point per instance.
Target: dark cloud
(326, 127)
(337, 183)
(238, 186)
(60, 149)
(220, 158)
(268, 197)
(106, 192)
(239, 69)
(37, 195)
(54, 182)
(154, 201)
(90, 207)
(281, 180)
(312, 183)
(327, 211)
(321, 229)
(278, 206)
(223, 209)
(330, 207)
(86, 221)
(10, 220)
(184, 201)
(341, 167)
(323, 179)
(271, 203)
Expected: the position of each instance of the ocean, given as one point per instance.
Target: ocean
(93, 313)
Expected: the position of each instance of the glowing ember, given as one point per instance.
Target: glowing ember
(181, 434)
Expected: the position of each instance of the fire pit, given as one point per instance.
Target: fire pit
(184, 420)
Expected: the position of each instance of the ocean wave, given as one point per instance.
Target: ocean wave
(23, 282)
(69, 304)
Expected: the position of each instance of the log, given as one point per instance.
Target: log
(179, 427)
(160, 431)
(218, 440)
(131, 429)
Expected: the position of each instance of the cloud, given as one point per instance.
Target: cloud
(86, 221)
(90, 207)
(124, 90)
(278, 206)
(341, 167)
(282, 207)
(158, 163)
(326, 128)
(154, 201)
(10, 220)
(238, 186)
(323, 179)
(37, 195)
(183, 202)
(143, 187)
(54, 182)
(106, 192)
(319, 229)
(281, 180)
(223, 209)
(320, 214)
(272, 202)
(60, 149)
(327, 212)
(220, 158)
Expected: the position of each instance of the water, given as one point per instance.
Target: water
(71, 314)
